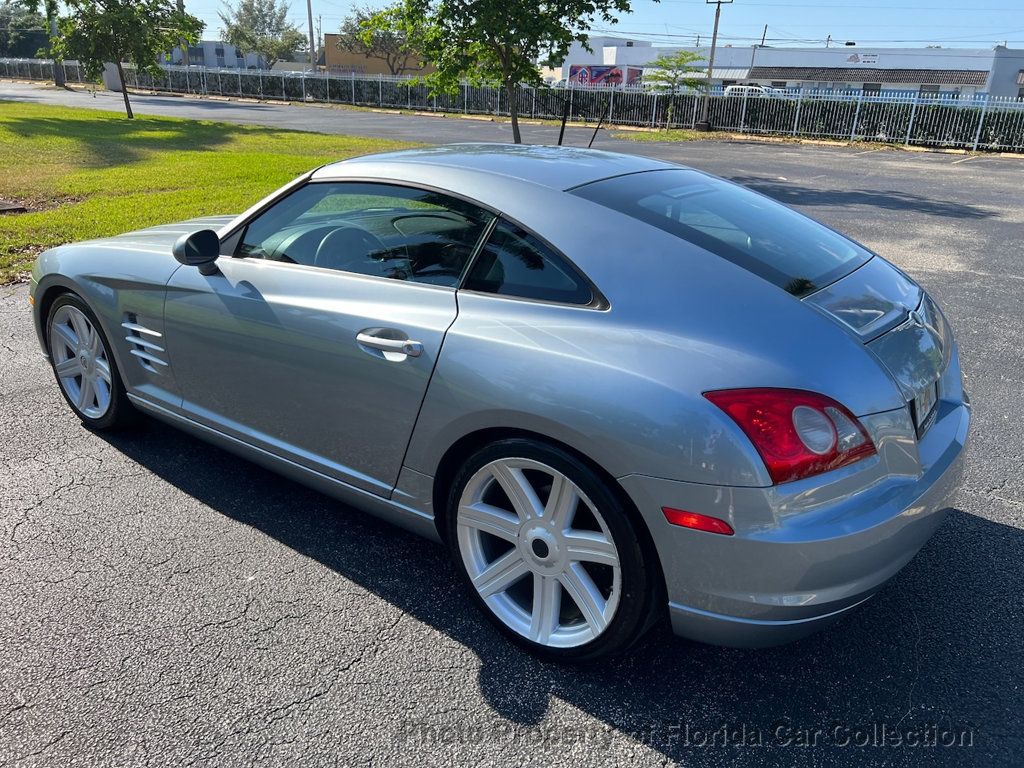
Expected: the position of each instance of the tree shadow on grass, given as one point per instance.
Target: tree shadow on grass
(118, 141)
(931, 648)
(890, 200)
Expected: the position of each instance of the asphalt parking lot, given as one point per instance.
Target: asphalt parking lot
(163, 602)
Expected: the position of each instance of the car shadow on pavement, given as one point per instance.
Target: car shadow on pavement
(890, 200)
(926, 657)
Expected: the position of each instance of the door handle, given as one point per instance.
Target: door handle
(399, 346)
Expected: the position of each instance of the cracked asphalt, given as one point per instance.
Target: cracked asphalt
(165, 603)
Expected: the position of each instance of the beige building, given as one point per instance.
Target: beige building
(339, 61)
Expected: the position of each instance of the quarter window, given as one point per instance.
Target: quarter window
(369, 229)
(515, 263)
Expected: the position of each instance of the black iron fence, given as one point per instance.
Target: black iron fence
(971, 122)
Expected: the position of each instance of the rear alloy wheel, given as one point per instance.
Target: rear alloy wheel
(84, 366)
(548, 551)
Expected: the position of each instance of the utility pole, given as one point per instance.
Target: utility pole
(764, 35)
(312, 39)
(58, 70)
(704, 124)
(183, 48)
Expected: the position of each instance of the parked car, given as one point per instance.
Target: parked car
(751, 91)
(614, 387)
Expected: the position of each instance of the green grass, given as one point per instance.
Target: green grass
(672, 134)
(85, 173)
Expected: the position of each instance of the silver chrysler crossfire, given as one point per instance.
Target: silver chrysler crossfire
(612, 386)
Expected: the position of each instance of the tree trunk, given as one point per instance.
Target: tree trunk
(58, 70)
(513, 110)
(124, 90)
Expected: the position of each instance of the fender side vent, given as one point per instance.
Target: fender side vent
(145, 344)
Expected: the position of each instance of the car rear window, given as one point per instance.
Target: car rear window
(750, 230)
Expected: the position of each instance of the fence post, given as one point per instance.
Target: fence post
(434, 97)
(856, 115)
(611, 105)
(465, 98)
(743, 112)
(497, 109)
(799, 103)
(239, 83)
(353, 74)
(188, 85)
(571, 89)
(380, 90)
(654, 108)
(303, 87)
(533, 108)
(408, 93)
(259, 73)
(693, 117)
(327, 82)
(913, 114)
(284, 95)
(981, 122)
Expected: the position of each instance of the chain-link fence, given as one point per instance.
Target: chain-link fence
(972, 122)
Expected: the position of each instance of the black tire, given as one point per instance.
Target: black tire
(120, 413)
(640, 576)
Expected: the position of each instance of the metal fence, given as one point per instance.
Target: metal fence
(984, 122)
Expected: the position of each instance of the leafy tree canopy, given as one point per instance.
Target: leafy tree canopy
(22, 30)
(496, 41)
(262, 27)
(388, 42)
(136, 31)
(672, 71)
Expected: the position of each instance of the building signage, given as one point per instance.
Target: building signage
(595, 74)
(863, 58)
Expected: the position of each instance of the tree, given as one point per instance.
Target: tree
(672, 72)
(137, 31)
(495, 41)
(22, 30)
(262, 27)
(52, 11)
(359, 34)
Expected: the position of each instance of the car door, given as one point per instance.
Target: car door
(317, 338)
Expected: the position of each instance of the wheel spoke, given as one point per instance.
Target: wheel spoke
(81, 326)
(490, 519)
(103, 371)
(86, 393)
(95, 347)
(69, 368)
(547, 605)
(102, 394)
(562, 502)
(66, 335)
(586, 595)
(519, 491)
(501, 574)
(590, 546)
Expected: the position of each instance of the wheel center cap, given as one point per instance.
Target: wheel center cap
(85, 360)
(540, 547)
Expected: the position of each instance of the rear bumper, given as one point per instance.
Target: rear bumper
(804, 554)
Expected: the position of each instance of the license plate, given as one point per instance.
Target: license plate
(924, 407)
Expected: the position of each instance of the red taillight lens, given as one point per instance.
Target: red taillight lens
(697, 521)
(797, 433)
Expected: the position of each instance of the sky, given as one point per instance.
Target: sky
(913, 23)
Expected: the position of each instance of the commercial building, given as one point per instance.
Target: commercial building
(338, 61)
(997, 71)
(216, 53)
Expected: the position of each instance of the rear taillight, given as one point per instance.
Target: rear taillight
(797, 433)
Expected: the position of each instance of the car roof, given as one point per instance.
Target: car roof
(558, 168)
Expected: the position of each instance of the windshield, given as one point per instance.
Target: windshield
(750, 230)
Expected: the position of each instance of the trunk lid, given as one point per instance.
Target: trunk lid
(898, 322)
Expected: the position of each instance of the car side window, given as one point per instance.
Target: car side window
(382, 230)
(515, 263)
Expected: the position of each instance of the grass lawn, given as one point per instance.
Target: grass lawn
(84, 173)
(671, 134)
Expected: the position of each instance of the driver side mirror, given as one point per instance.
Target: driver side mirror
(199, 249)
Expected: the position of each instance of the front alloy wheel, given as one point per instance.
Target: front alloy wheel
(84, 366)
(535, 535)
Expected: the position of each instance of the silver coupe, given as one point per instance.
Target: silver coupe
(617, 389)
